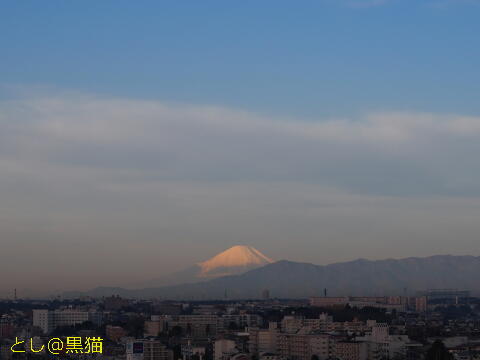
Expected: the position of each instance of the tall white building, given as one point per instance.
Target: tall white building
(48, 320)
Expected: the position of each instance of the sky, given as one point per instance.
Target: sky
(138, 138)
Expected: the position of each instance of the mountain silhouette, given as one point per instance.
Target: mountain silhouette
(288, 279)
(236, 260)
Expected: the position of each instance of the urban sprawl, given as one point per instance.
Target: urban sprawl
(435, 324)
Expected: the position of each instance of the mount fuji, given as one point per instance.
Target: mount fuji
(234, 261)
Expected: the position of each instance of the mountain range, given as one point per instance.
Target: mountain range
(236, 260)
(243, 272)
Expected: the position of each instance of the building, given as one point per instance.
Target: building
(115, 303)
(190, 350)
(324, 323)
(380, 344)
(153, 327)
(197, 326)
(322, 345)
(115, 333)
(379, 305)
(304, 344)
(241, 320)
(398, 303)
(421, 304)
(446, 294)
(351, 350)
(263, 340)
(294, 346)
(6, 329)
(328, 301)
(147, 349)
(168, 308)
(48, 320)
(292, 324)
(223, 349)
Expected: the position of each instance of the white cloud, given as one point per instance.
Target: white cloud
(387, 152)
(138, 177)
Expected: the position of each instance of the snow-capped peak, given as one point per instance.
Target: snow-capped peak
(237, 257)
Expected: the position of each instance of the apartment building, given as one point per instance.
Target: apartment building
(197, 326)
(263, 340)
(322, 345)
(324, 323)
(294, 346)
(351, 350)
(304, 344)
(380, 344)
(48, 320)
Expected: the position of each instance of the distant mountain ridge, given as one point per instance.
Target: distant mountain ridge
(235, 260)
(288, 279)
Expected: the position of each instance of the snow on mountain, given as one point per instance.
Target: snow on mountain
(233, 260)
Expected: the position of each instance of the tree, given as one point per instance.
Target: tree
(134, 326)
(438, 351)
(232, 325)
(175, 331)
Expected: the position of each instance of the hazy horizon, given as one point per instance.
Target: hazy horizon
(139, 139)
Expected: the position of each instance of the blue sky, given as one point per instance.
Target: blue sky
(314, 59)
(160, 133)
